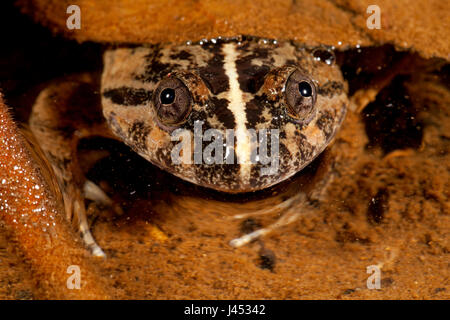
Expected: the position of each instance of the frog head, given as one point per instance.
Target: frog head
(235, 115)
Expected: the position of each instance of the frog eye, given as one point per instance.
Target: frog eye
(300, 96)
(172, 101)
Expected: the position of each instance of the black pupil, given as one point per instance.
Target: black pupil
(167, 96)
(305, 89)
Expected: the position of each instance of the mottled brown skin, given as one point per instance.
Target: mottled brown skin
(131, 76)
(69, 110)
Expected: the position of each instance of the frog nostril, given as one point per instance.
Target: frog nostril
(325, 55)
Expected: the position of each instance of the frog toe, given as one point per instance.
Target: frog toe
(93, 192)
(83, 227)
(290, 211)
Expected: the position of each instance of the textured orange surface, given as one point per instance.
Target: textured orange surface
(420, 25)
(30, 212)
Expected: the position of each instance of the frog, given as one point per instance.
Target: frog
(158, 99)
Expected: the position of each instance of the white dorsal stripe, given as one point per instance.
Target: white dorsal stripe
(237, 107)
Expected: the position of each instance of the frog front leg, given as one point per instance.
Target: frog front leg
(311, 189)
(65, 112)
